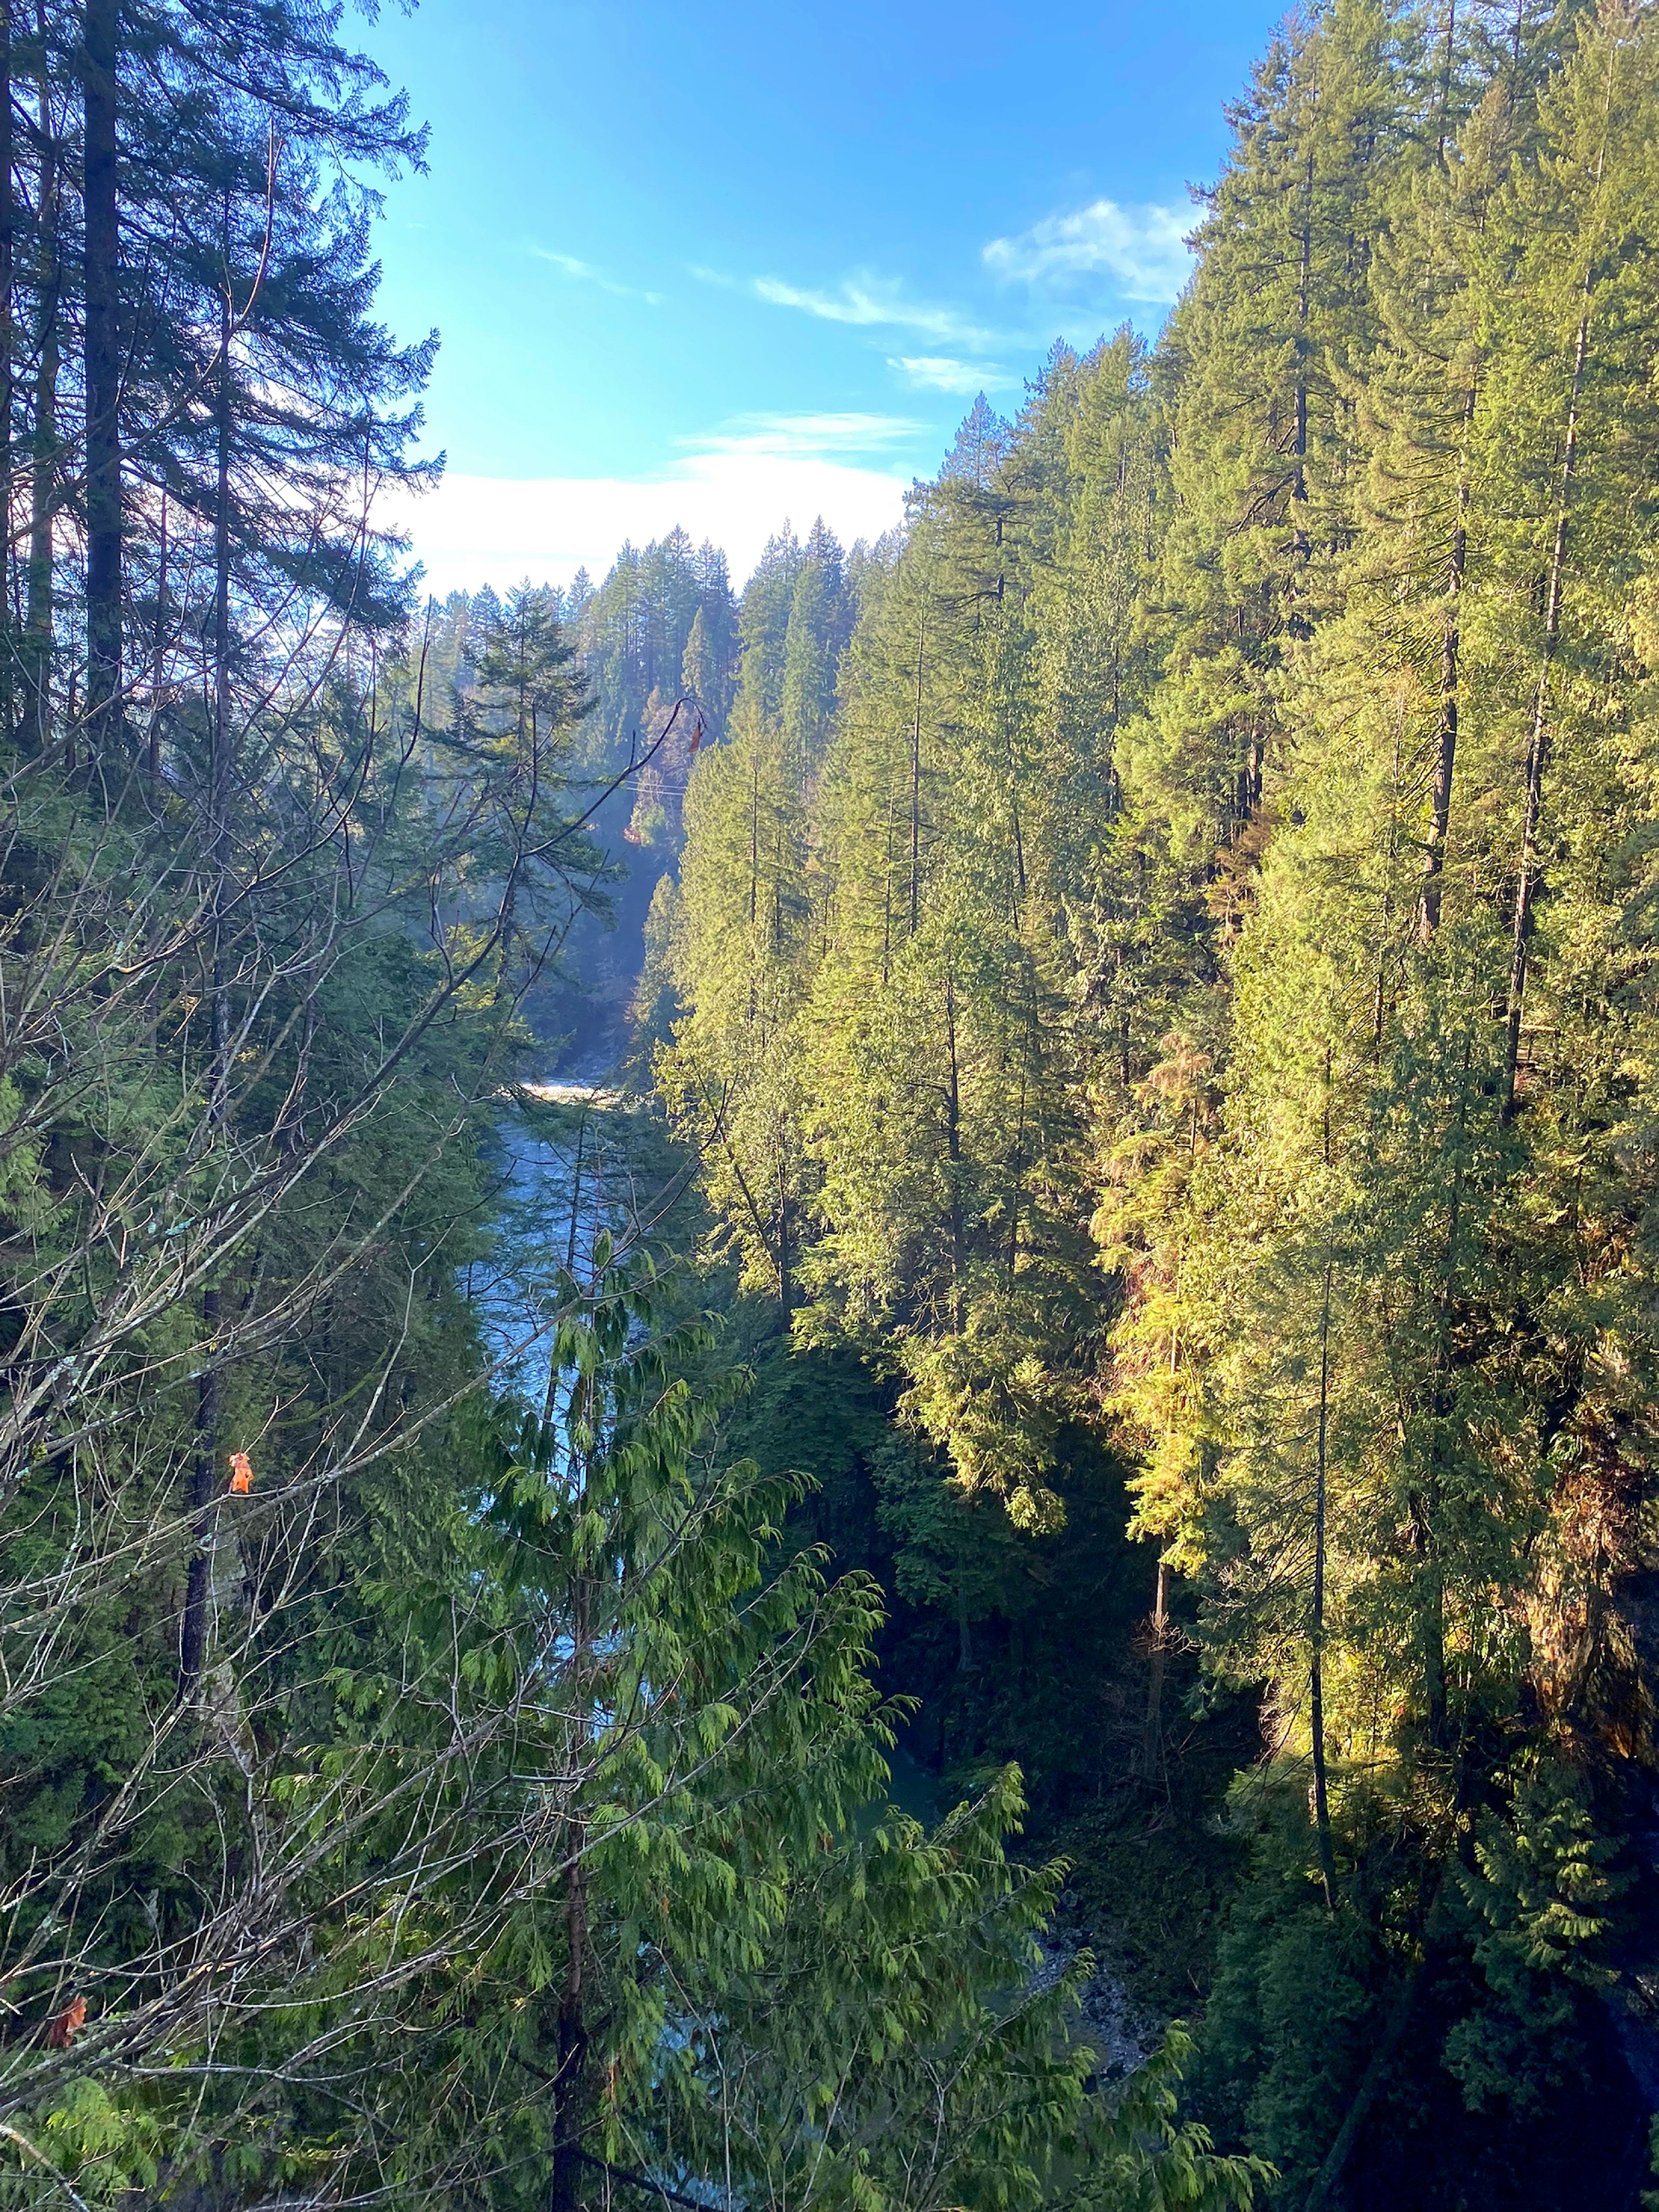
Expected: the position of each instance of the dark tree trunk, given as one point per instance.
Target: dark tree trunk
(916, 792)
(1527, 879)
(158, 674)
(1303, 547)
(192, 1641)
(953, 1156)
(38, 618)
(1317, 1662)
(573, 2053)
(1152, 1748)
(103, 382)
(569, 2090)
(7, 375)
(1434, 861)
(192, 1648)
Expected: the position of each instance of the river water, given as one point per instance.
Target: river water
(566, 1172)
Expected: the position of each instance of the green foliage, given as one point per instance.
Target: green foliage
(1157, 1000)
(1299, 1993)
(1234, 833)
(1537, 1896)
(1149, 2160)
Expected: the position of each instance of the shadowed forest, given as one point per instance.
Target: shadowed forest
(836, 1394)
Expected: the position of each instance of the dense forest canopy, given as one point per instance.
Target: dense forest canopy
(836, 1394)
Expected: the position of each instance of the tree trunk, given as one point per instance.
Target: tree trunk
(204, 1470)
(1526, 880)
(1446, 81)
(754, 848)
(104, 718)
(1152, 1749)
(887, 902)
(192, 1648)
(1302, 545)
(1316, 1664)
(569, 2090)
(573, 2050)
(916, 792)
(1393, 2033)
(7, 374)
(1525, 884)
(43, 443)
(193, 1638)
(219, 772)
(158, 674)
(953, 1155)
(1425, 1507)
(1434, 861)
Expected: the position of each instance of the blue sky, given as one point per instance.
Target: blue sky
(726, 263)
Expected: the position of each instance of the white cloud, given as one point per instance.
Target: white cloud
(870, 302)
(938, 372)
(584, 272)
(736, 486)
(1141, 250)
(793, 437)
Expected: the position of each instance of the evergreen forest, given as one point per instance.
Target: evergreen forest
(835, 1392)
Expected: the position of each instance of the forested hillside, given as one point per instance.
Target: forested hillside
(1187, 1018)
(662, 644)
(1010, 1560)
(430, 1772)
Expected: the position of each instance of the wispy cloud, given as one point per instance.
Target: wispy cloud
(796, 437)
(868, 302)
(584, 272)
(1140, 250)
(931, 371)
(734, 484)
